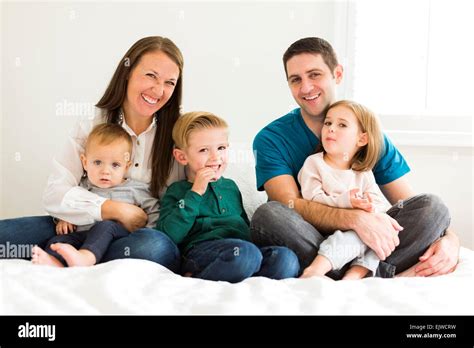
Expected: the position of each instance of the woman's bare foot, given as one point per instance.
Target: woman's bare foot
(355, 272)
(41, 257)
(73, 256)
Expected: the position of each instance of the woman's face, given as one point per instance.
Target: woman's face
(150, 85)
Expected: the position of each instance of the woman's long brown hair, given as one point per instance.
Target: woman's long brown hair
(112, 100)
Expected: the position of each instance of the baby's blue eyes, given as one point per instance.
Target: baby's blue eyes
(114, 165)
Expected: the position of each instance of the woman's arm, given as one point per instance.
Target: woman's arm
(64, 180)
(63, 198)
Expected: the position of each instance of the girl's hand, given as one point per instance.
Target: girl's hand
(203, 177)
(64, 227)
(363, 202)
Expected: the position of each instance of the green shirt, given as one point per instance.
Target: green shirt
(189, 218)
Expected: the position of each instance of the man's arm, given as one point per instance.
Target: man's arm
(397, 190)
(378, 231)
(442, 256)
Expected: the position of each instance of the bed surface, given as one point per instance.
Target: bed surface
(142, 287)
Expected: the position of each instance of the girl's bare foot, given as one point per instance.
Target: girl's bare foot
(410, 272)
(73, 256)
(318, 268)
(41, 257)
(355, 272)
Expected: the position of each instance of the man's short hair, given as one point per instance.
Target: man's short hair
(313, 45)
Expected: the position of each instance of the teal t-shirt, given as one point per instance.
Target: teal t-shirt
(283, 146)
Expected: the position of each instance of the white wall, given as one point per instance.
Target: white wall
(63, 54)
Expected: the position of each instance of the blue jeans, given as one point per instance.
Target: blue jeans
(234, 260)
(145, 243)
(97, 239)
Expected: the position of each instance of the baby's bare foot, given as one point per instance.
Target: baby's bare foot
(41, 257)
(73, 256)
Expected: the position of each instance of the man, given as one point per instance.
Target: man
(412, 238)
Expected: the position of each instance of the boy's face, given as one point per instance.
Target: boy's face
(206, 148)
(312, 83)
(106, 165)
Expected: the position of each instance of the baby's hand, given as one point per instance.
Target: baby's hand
(203, 177)
(64, 227)
(363, 202)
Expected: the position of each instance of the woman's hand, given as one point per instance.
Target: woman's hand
(129, 215)
(64, 227)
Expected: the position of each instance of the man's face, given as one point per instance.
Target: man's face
(312, 83)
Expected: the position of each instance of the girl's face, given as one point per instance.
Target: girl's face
(150, 85)
(341, 135)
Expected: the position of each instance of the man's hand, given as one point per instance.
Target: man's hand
(440, 258)
(378, 231)
(64, 227)
(362, 202)
(202, 179)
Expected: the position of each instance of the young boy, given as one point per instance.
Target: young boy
(204, 215)
(106, 161)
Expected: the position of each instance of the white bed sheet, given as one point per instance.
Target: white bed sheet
(142, 287)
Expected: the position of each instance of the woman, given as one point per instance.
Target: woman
(144, 97)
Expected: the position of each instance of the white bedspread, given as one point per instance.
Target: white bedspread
(143, 287)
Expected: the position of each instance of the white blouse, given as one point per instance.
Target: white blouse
(64, 199)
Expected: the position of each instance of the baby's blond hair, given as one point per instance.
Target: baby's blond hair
(107, 133)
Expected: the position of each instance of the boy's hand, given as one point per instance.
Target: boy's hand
(203, 177)
(64, 227)
(361, 202)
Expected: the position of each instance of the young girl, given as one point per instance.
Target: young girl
(340, 175)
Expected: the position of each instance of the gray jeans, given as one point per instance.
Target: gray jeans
(424, 218)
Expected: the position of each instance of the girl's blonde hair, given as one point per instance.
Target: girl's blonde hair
(368, 155)
(192, 121)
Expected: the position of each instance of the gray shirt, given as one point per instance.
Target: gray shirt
(130, 191)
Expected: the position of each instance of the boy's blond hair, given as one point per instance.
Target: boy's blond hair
(368, 155)
(192, 121)
(107, 133)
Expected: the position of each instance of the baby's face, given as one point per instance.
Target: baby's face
(107, 165)
(207, 148)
